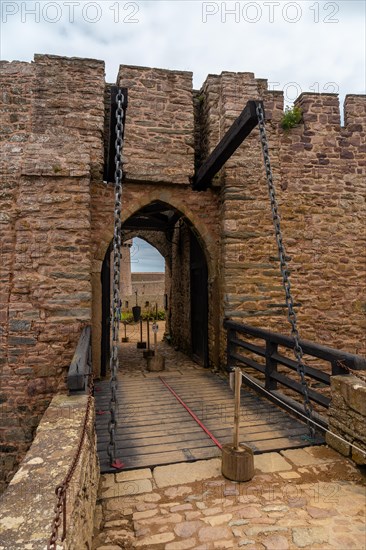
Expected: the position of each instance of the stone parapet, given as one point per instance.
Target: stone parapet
(27, 507)
(69, 98)
(347, 417)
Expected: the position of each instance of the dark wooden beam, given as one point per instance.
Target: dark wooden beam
(152, 222)
(148, 224)
(234, 137)
(156, 206)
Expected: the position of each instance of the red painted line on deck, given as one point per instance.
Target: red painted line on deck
(201, 425)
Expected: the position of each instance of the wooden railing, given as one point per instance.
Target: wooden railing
(245, 353)
(80, 366)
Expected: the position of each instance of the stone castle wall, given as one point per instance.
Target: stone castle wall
(159, 160)
(319, 171)
(28, 505)
(150, 288)
(56, 216)
(347, 415)
(51, 151)
(160, 125)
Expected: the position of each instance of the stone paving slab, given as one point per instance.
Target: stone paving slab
(317, 507)
(179, 474)
(127, 488)
(301, 457)
(271, 462)
(144, 473)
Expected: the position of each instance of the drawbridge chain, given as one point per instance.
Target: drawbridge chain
(113, 405)
(291, 314)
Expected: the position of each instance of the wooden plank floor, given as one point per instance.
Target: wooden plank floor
(155, 429)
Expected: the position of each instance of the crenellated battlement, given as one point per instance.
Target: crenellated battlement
(227, 94)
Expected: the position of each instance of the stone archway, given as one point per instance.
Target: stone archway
(196, 228)
(157, 241)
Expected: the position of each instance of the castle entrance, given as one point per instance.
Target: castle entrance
(186, 302)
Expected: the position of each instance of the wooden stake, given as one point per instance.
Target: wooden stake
(141, 344)
(237, 407)
(156, 322)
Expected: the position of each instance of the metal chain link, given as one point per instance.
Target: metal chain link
(113, 404)
(61, 490)
(291, 315)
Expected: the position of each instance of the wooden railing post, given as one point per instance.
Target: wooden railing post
(337, 368)
(271, 365)
(230, 348)
(242, 351)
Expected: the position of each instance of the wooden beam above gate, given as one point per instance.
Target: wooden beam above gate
(234, 137)
(152, 222)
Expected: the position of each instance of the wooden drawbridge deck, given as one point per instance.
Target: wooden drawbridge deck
(155, 429)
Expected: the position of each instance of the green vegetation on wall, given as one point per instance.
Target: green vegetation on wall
(291, 118)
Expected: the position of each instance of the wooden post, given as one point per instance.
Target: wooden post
(237, 407)
(156, 322)
(155, 362)
(230, 347)
(141, 344)
(148, 352)
(237, 464)
(125, 338)
(271, 366)
(237, 459)
(337, 368)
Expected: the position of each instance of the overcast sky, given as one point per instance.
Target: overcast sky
(145, 258)
(298, 46)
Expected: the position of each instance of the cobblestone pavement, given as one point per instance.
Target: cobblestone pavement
(310, 498)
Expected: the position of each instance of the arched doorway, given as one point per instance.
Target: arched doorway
(173, 235)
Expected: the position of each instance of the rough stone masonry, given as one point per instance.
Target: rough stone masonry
(56, 215)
